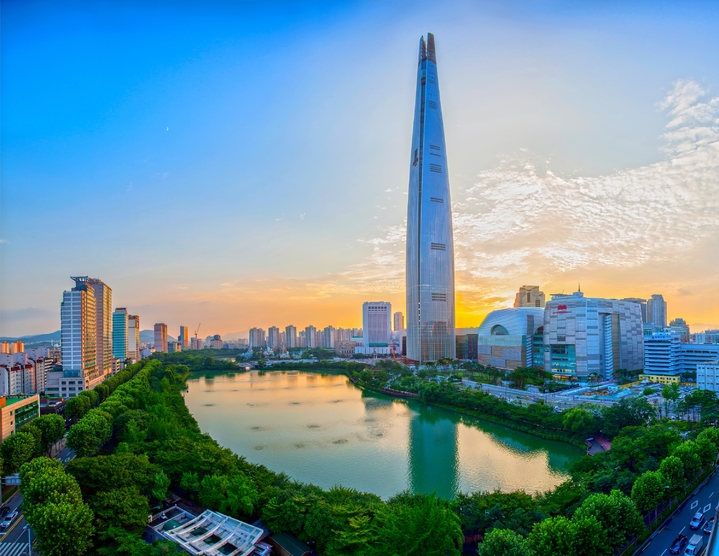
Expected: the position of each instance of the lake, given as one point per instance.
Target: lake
(322, 429)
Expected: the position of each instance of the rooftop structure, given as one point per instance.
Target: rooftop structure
(529, 296)
(210, 533)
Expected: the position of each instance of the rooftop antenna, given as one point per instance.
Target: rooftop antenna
(579, 287)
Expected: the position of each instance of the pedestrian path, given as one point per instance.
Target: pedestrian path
(13, 548)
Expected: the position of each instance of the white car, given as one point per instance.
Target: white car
(9, 518)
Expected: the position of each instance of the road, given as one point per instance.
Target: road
(14, 541)
(526, 397)
(707, 499)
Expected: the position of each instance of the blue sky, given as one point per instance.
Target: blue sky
(245, 164)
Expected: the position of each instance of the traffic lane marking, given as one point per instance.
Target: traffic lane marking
(11, 528)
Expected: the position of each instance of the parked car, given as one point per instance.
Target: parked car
(697, 521)
(4, 511)
(679, 543)
(709, 526)
(9, 518)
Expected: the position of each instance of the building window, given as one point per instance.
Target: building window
(439, 246)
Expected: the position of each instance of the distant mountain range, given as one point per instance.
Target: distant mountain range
(146, 337)
(53, 337)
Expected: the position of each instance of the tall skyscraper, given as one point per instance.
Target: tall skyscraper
(161, 337)
(657, 311)
(398, 321)
(184, 338)
(273, 337)
(79, 330)
(291, 336)
(120, 334)
(133, 337)
(430, 245)
(529, 296)
(103, 323)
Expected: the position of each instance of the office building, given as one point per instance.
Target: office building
(398, 321)
(466, 342)
(273, 338)
(173, 347)
(257, 338)
(691, 355)
(133, 337)
(103, 322)
(376, 328)
(680, 326)
(80, 335)
(184, 338)
(291, 336)
(529, 296)
(666, 357)
(661, 358)
(707, 337)
(430, 245)
(642, 306)
(17, 411)
(120, 331)
(708, 376)
(160, 337)
(511, 338)
(657, 311)
(310, 337)
(216, 342)
(586, 337)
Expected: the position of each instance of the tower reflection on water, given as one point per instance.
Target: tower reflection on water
(433, 455)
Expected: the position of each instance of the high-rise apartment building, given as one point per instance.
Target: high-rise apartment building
(301, 339)
(133, 337)
(430, 244)
(310, 337)
(184, 338)
(529, 296)
(103, 323)
(291, 336)
(257, 338)
(657, 311)
(120, 330)
(680, 326)
(328, 337)
(398, 321)
(273, 337)
(161, 337)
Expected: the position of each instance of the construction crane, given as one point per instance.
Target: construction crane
(196, 331)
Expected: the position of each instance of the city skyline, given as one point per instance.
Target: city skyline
(576, 156)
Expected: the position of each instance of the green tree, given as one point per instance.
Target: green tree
(591, 538)
(75, 408)
(241, 495)
(670, 393)
(649, 490)
(190, 483)
(159, 489)
(580, 421)
(15, 450)
(90, 433)
(555, 535)
(53, 429)
(53, 506)
(617, 515)
(504, 542)
(124, 507)
(688, 452)
(672, 470)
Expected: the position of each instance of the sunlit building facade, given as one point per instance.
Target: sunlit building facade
(585, 337)
(430, 244)
(160, 337)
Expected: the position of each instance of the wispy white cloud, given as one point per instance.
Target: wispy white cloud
(522, 219)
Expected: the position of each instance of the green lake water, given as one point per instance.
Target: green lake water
(323, 429)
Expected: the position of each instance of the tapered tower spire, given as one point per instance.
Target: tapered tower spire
(430, 244)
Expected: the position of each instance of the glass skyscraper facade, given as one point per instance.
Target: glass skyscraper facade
(119, 334)
(430, 246)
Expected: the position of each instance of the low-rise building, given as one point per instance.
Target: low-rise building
(708, 376)
(15, 411)
(345, 348)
